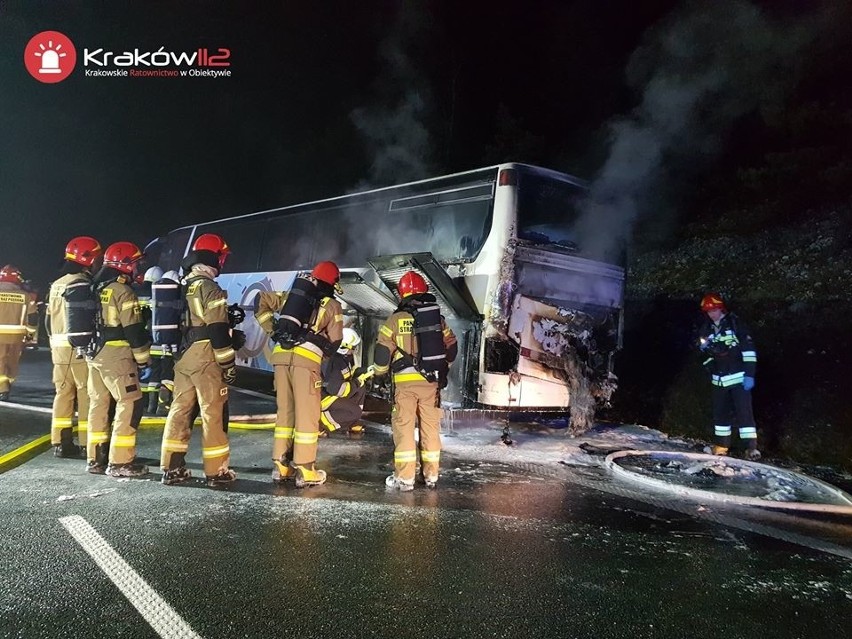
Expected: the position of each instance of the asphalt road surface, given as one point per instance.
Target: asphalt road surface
(505, 547)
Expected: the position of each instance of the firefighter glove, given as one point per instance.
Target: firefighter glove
(238, 339)
(368, 374)
(748, 383)
(229, 374)
(144, 373)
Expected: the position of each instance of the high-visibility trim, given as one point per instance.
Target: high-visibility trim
(198, 309)
(328, 421)
(749, 356)
(224, 354)
(117, 342)
(386, 331)
(402, 378)
(380, 370)
(217, 451)
(748, 432)
(129, 305)
(430, 456)
(728, 380)
(328, 401)
(12, 329)
(5, 378)
(141, 358)
(58, 340)
(217, 303)
(262, 317)
(303, 351)
(124, 441)
(98, 438)
(175, 446)
(306, 438)
(60, 422)
(82, 426)
(284, 432)
(405, 456)
(722, 431)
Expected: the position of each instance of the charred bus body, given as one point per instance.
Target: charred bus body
(538, 322)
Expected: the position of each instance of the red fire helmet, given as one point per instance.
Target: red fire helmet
(412, 283)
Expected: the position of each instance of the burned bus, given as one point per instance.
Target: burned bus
(538, 322)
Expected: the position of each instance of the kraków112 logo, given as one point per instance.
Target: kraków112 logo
(50, 56)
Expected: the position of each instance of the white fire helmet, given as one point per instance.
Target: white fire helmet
(351, 339)
(153, 274)
(172, 275)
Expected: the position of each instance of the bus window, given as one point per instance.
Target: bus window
(289, 242)
(168, 251)
(548, 210)
(244, 239)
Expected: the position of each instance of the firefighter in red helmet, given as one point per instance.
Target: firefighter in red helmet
(119, 359)
(70, 326)
(731, 360)
(416, 344)
(307, 326)
(204, 367)
(18, 321)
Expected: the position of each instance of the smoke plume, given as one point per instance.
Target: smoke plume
(703, 67)
(395, 132)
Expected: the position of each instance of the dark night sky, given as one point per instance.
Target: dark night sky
(319, 92)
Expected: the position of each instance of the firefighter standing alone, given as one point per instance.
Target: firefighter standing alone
(204, 368)
(18, 321)
(70, 324)
(418, 346)
(731, 360)
(119, 360)
(309, 327)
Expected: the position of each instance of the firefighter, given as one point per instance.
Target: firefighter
(119, 359)
(343, 392)
(204, 368)
(144, 293)
(416, 344)
(731, 360)
(166, 311)
(69, 319)
(309, 328)
(18, 321)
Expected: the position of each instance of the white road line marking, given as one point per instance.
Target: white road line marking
(35, 409)
(161, 616)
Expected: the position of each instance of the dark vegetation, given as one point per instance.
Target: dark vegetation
(771, 229)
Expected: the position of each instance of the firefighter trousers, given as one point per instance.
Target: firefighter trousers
(343, 412)
(298, 390)
(732, 406)
(10, 357)
(70, 379)
(113, 376)
(198, 379)
(416, 404)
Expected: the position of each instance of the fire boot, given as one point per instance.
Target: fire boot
(98, 465)
(66, 447)
(401, 485)
(752, 454)
(151, 405)
(176, 476)
(309, 477)
(130, 469)
(282, 472)
(222, 478)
